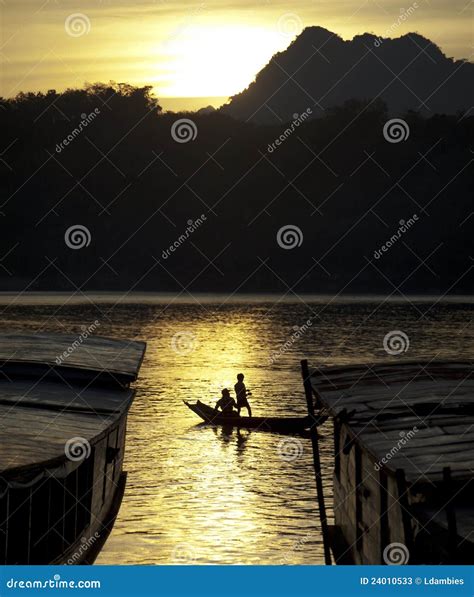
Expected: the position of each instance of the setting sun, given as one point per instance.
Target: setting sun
(215, 60)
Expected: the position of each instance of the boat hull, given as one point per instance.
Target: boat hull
(86, 549)
(403, 483)
(62, 446)
(72, 508)
(277, 424)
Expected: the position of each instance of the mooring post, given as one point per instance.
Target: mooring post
(407, 517)
(450, 513)
(316, 460)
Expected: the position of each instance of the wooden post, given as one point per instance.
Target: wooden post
(316, 461)
(407, 517)
(384, 520)
(450, 513)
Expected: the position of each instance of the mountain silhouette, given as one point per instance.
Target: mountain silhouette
(320, 70)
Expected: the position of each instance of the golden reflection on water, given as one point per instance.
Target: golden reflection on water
(211, 494)
(198, 494)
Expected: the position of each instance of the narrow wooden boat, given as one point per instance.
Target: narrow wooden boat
(403, 481)
(63, 412)
(279, 424)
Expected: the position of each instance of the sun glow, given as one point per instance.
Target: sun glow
(192, 54)
(215, 60)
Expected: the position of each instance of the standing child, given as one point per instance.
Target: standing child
(241, 394)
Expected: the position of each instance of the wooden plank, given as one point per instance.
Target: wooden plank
(92, 355)
(450, 424)
(384, 401)
(394, 512)
(420, 439)
(353, 373)
(371, 517)
(344, 512)
(36, 437)
(54, 396)
(388, 400)
(464, 520)
(397, 387)
(454, 428)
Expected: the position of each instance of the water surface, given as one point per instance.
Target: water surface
(200, 494)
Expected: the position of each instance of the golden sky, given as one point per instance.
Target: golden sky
(188, 49)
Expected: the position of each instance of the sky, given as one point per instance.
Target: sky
(194, 53)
